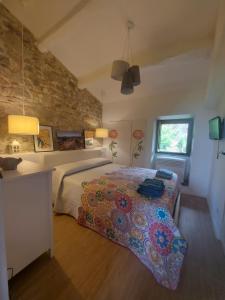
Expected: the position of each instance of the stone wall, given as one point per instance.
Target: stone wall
(51, 91)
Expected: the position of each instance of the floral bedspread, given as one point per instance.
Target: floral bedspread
(112, 207)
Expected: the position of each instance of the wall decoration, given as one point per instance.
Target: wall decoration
(138, 147)
(139, 155)
(70, 140)
(119, 142)
(14, 147)
(112, 148)
(89, 138)
(126, 142)
(44, 141)
(113, 134)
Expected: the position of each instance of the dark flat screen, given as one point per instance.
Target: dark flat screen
(215, 128)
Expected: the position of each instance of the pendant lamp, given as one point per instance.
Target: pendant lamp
(135, 74)
(119, 67)
(123, 70)
(127, 87)
(22, 124)
(101, 132)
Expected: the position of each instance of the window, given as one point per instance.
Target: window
(174, 136)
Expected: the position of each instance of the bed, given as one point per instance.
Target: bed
(67, 197)
(103, 197)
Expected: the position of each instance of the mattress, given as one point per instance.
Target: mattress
(71, 191)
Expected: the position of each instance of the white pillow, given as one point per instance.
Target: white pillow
(75, 167)
(71, 168)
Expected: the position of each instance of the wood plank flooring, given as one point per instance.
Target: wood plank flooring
(88, 266)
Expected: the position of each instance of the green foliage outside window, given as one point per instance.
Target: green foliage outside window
(174, 136)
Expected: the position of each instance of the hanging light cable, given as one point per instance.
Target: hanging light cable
(134, 69)
(22, 68)
(101, 132)
(22, 124)
(127, 86)
(120, 66)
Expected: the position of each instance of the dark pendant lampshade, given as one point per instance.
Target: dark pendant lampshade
(135, 73)
(127, 84)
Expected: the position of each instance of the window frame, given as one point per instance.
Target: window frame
(189, 121)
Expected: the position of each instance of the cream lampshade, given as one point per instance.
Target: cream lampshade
(24, 125)
(119, 67)
(101, 133)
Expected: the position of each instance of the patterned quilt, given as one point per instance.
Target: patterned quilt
(112, 207)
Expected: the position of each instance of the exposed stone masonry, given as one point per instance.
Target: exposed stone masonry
(51, 91)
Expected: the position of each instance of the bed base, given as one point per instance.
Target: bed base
(176, 211)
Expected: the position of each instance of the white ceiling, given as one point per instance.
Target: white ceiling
(171, 39)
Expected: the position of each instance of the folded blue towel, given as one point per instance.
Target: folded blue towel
(154, 184)
(153, 181)
(153, 188)
(164, 174)
(150, 193)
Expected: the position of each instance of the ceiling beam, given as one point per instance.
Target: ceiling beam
(147, 58)
(42, 41)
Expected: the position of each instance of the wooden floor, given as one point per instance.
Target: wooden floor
(87, 266)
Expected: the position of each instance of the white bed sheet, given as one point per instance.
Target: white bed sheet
(70, 196)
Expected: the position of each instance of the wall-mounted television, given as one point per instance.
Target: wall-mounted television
(215, 128)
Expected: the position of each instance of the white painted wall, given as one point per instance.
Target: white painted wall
(216, 98)
(181, 102)
(216, 197)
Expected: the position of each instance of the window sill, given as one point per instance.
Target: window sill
(172, 156)
(179, 164)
